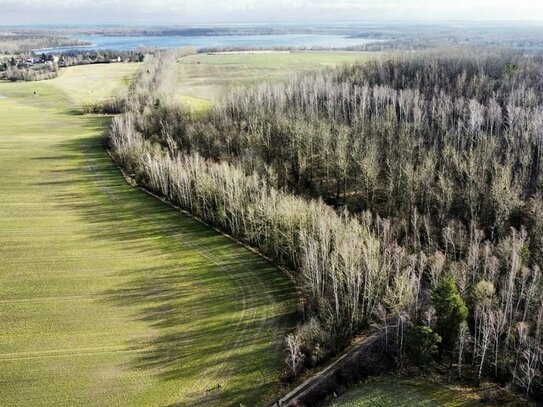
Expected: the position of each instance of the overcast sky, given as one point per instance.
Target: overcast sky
(224, 11)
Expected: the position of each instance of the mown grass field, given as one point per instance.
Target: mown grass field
(391, 391)
(397, 392)
(107, 296)
(204, 78)
(87, 84)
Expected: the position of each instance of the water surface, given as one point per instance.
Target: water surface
(130, 43)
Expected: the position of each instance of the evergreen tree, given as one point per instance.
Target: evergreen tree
(451, 311)
(422, 343)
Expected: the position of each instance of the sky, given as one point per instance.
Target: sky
(22, 12)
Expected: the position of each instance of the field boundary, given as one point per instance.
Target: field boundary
(287, 272)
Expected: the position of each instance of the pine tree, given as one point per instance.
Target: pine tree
(451, 311)
(421, 343)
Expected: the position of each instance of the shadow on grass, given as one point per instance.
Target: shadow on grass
(218, 312)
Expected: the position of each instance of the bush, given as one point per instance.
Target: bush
(421, 343)
(315, 341)
(114, 105)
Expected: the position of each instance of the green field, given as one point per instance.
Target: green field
(398, 392)
(392, 391)
(87, 84)
(107, 296)
(203, 78)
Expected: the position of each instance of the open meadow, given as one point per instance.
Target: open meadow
(206, 77)
(389, 391)
(93, 83)
(107, 296)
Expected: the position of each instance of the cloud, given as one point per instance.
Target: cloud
(199, 11)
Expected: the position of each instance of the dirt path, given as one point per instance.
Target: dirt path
(365, 357)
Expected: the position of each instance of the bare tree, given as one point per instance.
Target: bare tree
(529, 364)
(295, 356)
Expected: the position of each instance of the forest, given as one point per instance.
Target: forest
(25, 43)
(406, 191)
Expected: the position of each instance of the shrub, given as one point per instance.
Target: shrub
(421, 343)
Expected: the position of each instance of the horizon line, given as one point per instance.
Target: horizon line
(277, 23)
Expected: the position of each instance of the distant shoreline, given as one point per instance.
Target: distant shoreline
(37, 50)
(213, 43)
(241, 52)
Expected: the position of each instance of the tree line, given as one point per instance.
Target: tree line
(25, 43)
(406, 189)
(29, 74)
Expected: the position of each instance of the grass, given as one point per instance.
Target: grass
(204, 78)
(107, 296)
(392, 391)
(92, 83)
(399, 392)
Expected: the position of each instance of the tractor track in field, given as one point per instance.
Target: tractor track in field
(46, 299)
(40, 354)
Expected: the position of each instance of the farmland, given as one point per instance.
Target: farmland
(204, 78)
(110, 297)
(391, 391)
(388, 391)
(107, 296)
(90, 84)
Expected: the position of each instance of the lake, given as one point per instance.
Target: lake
(130, 43)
